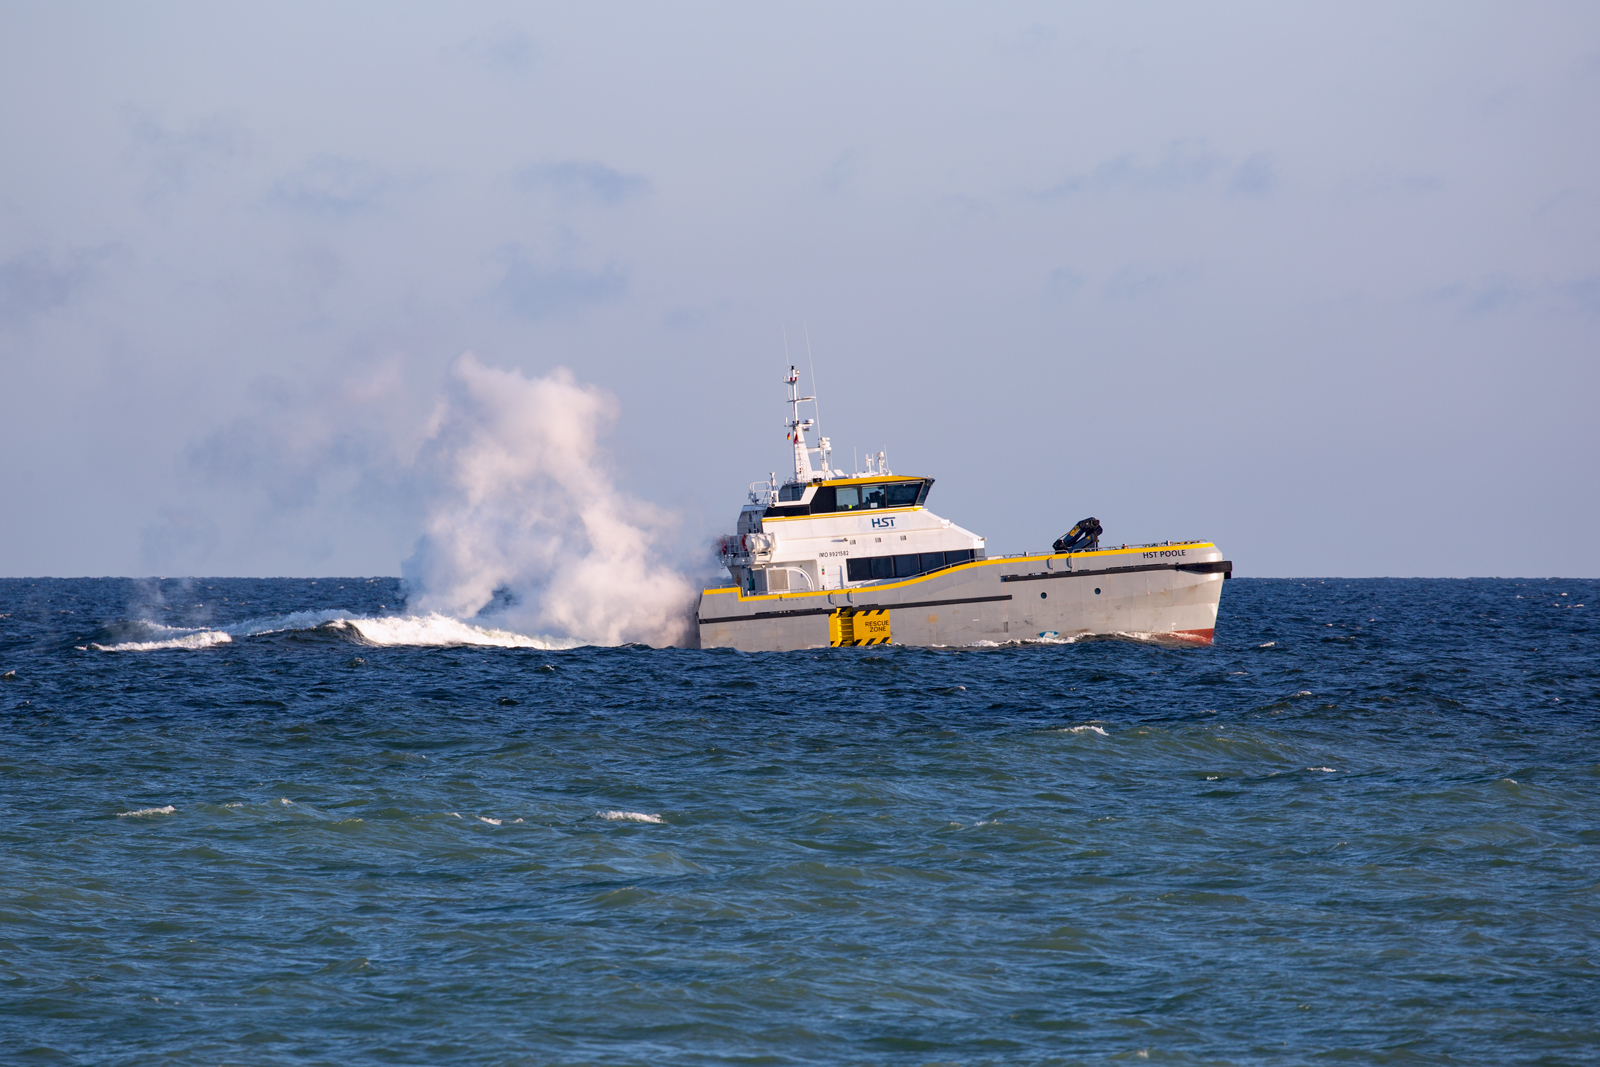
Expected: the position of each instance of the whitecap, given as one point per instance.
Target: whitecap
(1326, 770)
(189, 639)
(1086, 728)
(294, 620)
(491, 822)
(439, 630)
(429, 630)
(167, 810)
(433, 630)
(630, 816)
(1303, 693)
(1269, 644)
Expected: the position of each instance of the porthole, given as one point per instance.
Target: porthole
(1043, 595)
(1097, 592)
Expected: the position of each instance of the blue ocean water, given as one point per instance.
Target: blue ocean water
(1363, 827)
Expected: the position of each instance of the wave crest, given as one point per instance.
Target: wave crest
(630, 816)
(189, 639)
(432, 630)
(438, 630)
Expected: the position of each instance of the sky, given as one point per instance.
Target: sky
(1318, 283)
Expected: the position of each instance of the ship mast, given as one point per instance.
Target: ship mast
(797, 427)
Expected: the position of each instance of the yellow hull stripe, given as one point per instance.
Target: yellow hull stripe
(1104, 552)
(881, 480)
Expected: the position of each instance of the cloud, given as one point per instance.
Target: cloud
(303, 437)
(1140, 283)
(1065, 282)
(504, 49)
(537, 291)
(332, 185)
(968, 205)
(1037, 37)
(1254, 177)
(35, 283)
(583, 180)
(172, 156)
(1183, 165)
(1388, 183)
(1494, 294)
(843, 172)
(1582, 294)
(1501, 292)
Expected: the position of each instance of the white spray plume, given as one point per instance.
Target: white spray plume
(522, 503)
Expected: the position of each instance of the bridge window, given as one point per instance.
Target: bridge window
(902, 494)
(830, 498)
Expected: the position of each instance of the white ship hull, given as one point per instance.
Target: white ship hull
(1164, 592)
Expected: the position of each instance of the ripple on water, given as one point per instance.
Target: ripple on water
(1354, 841)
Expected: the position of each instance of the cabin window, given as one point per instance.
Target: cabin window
(793, 491)
(832, 498)
(902, 494)
(909, 565)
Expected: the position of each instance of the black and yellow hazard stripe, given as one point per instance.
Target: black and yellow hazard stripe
(850, 627)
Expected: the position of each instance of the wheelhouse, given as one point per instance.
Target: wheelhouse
(831, 496)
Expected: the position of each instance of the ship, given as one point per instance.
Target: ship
(827, 559)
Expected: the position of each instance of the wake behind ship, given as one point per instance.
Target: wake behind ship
(829, 559)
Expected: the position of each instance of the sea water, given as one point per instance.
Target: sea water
(283, 822)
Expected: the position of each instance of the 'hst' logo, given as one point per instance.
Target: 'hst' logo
(884, 523)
